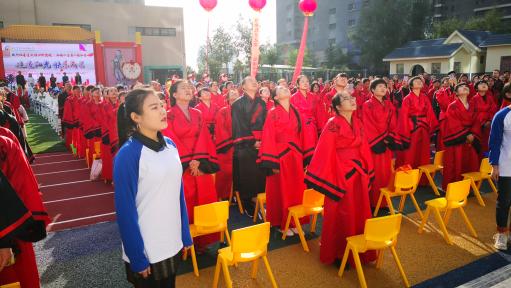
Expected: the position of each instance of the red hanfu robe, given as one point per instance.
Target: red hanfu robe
(193, 142)
(24, 218)
(460, 156)
(91, 125)
(224, 150)
(284, 147)
(108, 137)
(308, 108)
(361, 97)
(380, 121)
(269, 105)
(342, 169)
(484, 108)
(416, 123)
(218, 99)
(208, 115)
(444, 97)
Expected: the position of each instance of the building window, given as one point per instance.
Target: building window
(331, 41)
(436, 68)
(481, 60)
(155, 31)
(87, 27)
(332, 26)
(332, 11)
(351, 6)
(400, 68)
(1, 24)
(351, 22)
(505, 63)
(457, 67)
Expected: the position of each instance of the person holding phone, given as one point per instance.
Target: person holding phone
(149, 196)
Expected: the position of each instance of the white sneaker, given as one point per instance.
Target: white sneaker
(294, 230)
(500, 241)
(289, 233)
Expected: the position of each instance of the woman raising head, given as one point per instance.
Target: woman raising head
(148, 188)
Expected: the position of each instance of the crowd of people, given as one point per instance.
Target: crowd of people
(167, 149)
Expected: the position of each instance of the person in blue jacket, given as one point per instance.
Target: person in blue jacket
(149, 198)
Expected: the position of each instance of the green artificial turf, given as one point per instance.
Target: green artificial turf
(41, 136)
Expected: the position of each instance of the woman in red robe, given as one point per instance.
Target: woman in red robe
(224, 149)
(416, 124)
(208, 108)
(308, 105)
(265, 95)
(380, 120)
(108, 109)
(69, 119)
(217, 98)
(284, 149)
(485, 108)
(461, 136)
(342, 169)
(443, 97)
(24, 218)
(196, 149)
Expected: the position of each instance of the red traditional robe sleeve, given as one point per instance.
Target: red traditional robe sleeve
(68, 120)
(223, 130)
(269, 151)
(459, 123)
(380, 132)
(88, 129)
(205, 150)
(114, 136)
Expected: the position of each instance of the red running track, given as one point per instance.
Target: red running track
(70, 198)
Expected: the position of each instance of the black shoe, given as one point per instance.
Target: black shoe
(249, 209)
(338, 262)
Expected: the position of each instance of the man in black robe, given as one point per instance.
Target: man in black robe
(248, 116)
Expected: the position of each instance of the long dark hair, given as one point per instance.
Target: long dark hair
(297, 114)
(133, 104)
(173, 89)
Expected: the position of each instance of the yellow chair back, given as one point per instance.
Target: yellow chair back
(212, 214)
(406, 180)
(312, 198)
(485, 167)
(250, 242)
(382, 229)
(439, 158)
(11, 285)
(457, 193)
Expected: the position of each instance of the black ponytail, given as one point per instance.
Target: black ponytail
(133, 104)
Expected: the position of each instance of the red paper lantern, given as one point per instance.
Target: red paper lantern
(257, 5)
(308, 7)
(208, 5)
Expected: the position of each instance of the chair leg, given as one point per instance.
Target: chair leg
(185, 254)
(360, 272)
(221, 237)
(288, 221)
(469, 225)
(255, 211)
(378, 205)
(442, 225)
(344, 260)
(402, 203)
(300, 233)
(194, 261)
(389, 203)
(217, 272)
(424, 220)
(254, 268)
(227, 275)
(476, 192)
(313, 224)
(492, 185)
(379, 261)
(270, 274)
(447, 216)
(399, 266)
(417, 207)
(263, 211)
(238, 199)
(432, 184)
(227, 236)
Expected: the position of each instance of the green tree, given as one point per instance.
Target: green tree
(243, 39)
(335, 57)
(385, 25)
(269, 54)
(214, 66)
(490, 21)
(222, 47)
(293, 53)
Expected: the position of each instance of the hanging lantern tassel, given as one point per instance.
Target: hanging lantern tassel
(254, 59)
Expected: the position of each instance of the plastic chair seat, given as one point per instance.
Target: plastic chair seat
(229, 256)
(440, 203)
(200, 230)
(431, 168)
(477, 176)
(394, 193)
(362, 245)
(302, 211)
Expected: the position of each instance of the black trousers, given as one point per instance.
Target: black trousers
(163, 274)
(503, 202)
(248, 178)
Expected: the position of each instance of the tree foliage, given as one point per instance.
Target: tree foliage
(385, 25)
(221, 52)
(490, 21)
(269, 54)
(335, 57)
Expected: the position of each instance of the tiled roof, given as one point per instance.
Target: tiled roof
(46, 33)
(498, 39)
(423, 51)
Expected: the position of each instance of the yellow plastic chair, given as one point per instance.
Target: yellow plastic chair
(12, 285)
(238, 199)
(312, 205)
(379, 234)
(456, 198)
(248, 245)
(431, 169)
(208, 219)
(477, 179)
(405, 184)
(260, 201)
